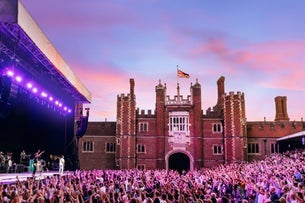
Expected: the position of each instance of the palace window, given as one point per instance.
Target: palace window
(141, 166)
(141, 148)
(110, 147)
(88, 146)
(143, 127)
(217, 149)
(179, 122)
(217, 128)
(273, 148)
(253, 148)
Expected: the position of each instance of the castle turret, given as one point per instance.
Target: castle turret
(126, 129)
(234, 127)
(281, 109)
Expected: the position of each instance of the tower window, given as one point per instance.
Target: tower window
(217, 128)
(143, 127)
(141, 148)
(217, 149)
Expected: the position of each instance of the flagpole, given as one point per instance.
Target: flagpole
(177, 74)
(178, 89)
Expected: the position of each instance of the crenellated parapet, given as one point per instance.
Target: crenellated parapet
(178, 100)
(234, 112)
(236, 96)
(125, 97)
(213, 113)
(142, 114)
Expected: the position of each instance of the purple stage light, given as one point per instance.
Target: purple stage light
(18, 79)
(43, 94)
(35, 90)
(32, 87)
(10, 73)
(29, 85)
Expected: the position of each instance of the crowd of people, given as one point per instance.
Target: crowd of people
(277, 178)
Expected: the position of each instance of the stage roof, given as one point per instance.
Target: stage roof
(294, 135)
(23, 44)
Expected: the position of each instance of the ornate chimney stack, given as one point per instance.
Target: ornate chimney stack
(281, 109)
(132, 84)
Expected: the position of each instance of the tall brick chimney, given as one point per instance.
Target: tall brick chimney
(281, 109)
(132, 84)
(220, 88)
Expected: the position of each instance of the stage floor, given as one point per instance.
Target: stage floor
(9, 178)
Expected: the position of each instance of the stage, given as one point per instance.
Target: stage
(11, 178)
(41, 98)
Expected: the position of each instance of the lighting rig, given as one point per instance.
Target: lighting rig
(13, 82)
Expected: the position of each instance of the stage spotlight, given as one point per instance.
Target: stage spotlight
(35, 90)
(29, 85)
(43, 94)
(10, 73)
(15, 79)
(18, 79)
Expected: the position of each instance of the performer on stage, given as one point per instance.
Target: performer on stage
(36, 158)
(61, 164)
(22, 156)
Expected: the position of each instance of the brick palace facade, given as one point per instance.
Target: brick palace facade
(179, 135)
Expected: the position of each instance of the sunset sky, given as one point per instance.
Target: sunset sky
(258, 46)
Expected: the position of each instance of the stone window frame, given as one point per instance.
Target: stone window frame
(141, 166)
(253, 148)
(143, 126)
(110, 149)
(217, 127)
(88, 146)
(141, 148)
(217, 147)
(273, 148)
(179, 121)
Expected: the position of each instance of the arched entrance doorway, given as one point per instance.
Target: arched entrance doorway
(179, 162)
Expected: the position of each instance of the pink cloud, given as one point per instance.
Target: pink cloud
(281, 62)
(101, 75)
(106, 82)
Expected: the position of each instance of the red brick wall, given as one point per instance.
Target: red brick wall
(98, 159)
